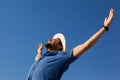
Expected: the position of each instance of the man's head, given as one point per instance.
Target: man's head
(57, 43)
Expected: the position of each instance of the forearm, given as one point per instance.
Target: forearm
(80, 49)
(92, 40)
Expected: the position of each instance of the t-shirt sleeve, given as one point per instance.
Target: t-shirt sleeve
(70, 57)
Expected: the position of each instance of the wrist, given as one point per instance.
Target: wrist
(39, 51)
(105, 27)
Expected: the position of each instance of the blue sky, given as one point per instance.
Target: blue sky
(25, 23)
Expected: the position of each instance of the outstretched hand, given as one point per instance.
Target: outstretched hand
(39, 47)
(108, 19)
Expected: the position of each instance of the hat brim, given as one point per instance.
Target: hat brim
(62, 38)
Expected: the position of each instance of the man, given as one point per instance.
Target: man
(52, 64)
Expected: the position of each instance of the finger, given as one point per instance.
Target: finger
(38, 46)
(111, 14)
(111, 10)
(105, 18)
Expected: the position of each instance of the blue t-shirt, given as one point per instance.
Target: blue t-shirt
(51, 66)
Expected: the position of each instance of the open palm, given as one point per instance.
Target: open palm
(108, 19)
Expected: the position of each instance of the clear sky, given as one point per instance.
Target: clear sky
(25, 23)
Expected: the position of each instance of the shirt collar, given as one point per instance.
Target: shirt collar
(51, 53)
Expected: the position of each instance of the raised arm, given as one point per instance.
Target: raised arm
(39, 50)
(80, 49)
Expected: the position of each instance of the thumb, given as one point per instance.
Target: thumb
(105, 21)
(105, 18)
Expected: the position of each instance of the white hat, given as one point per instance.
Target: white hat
(62, 38)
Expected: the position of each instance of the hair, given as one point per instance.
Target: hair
(61, 46)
